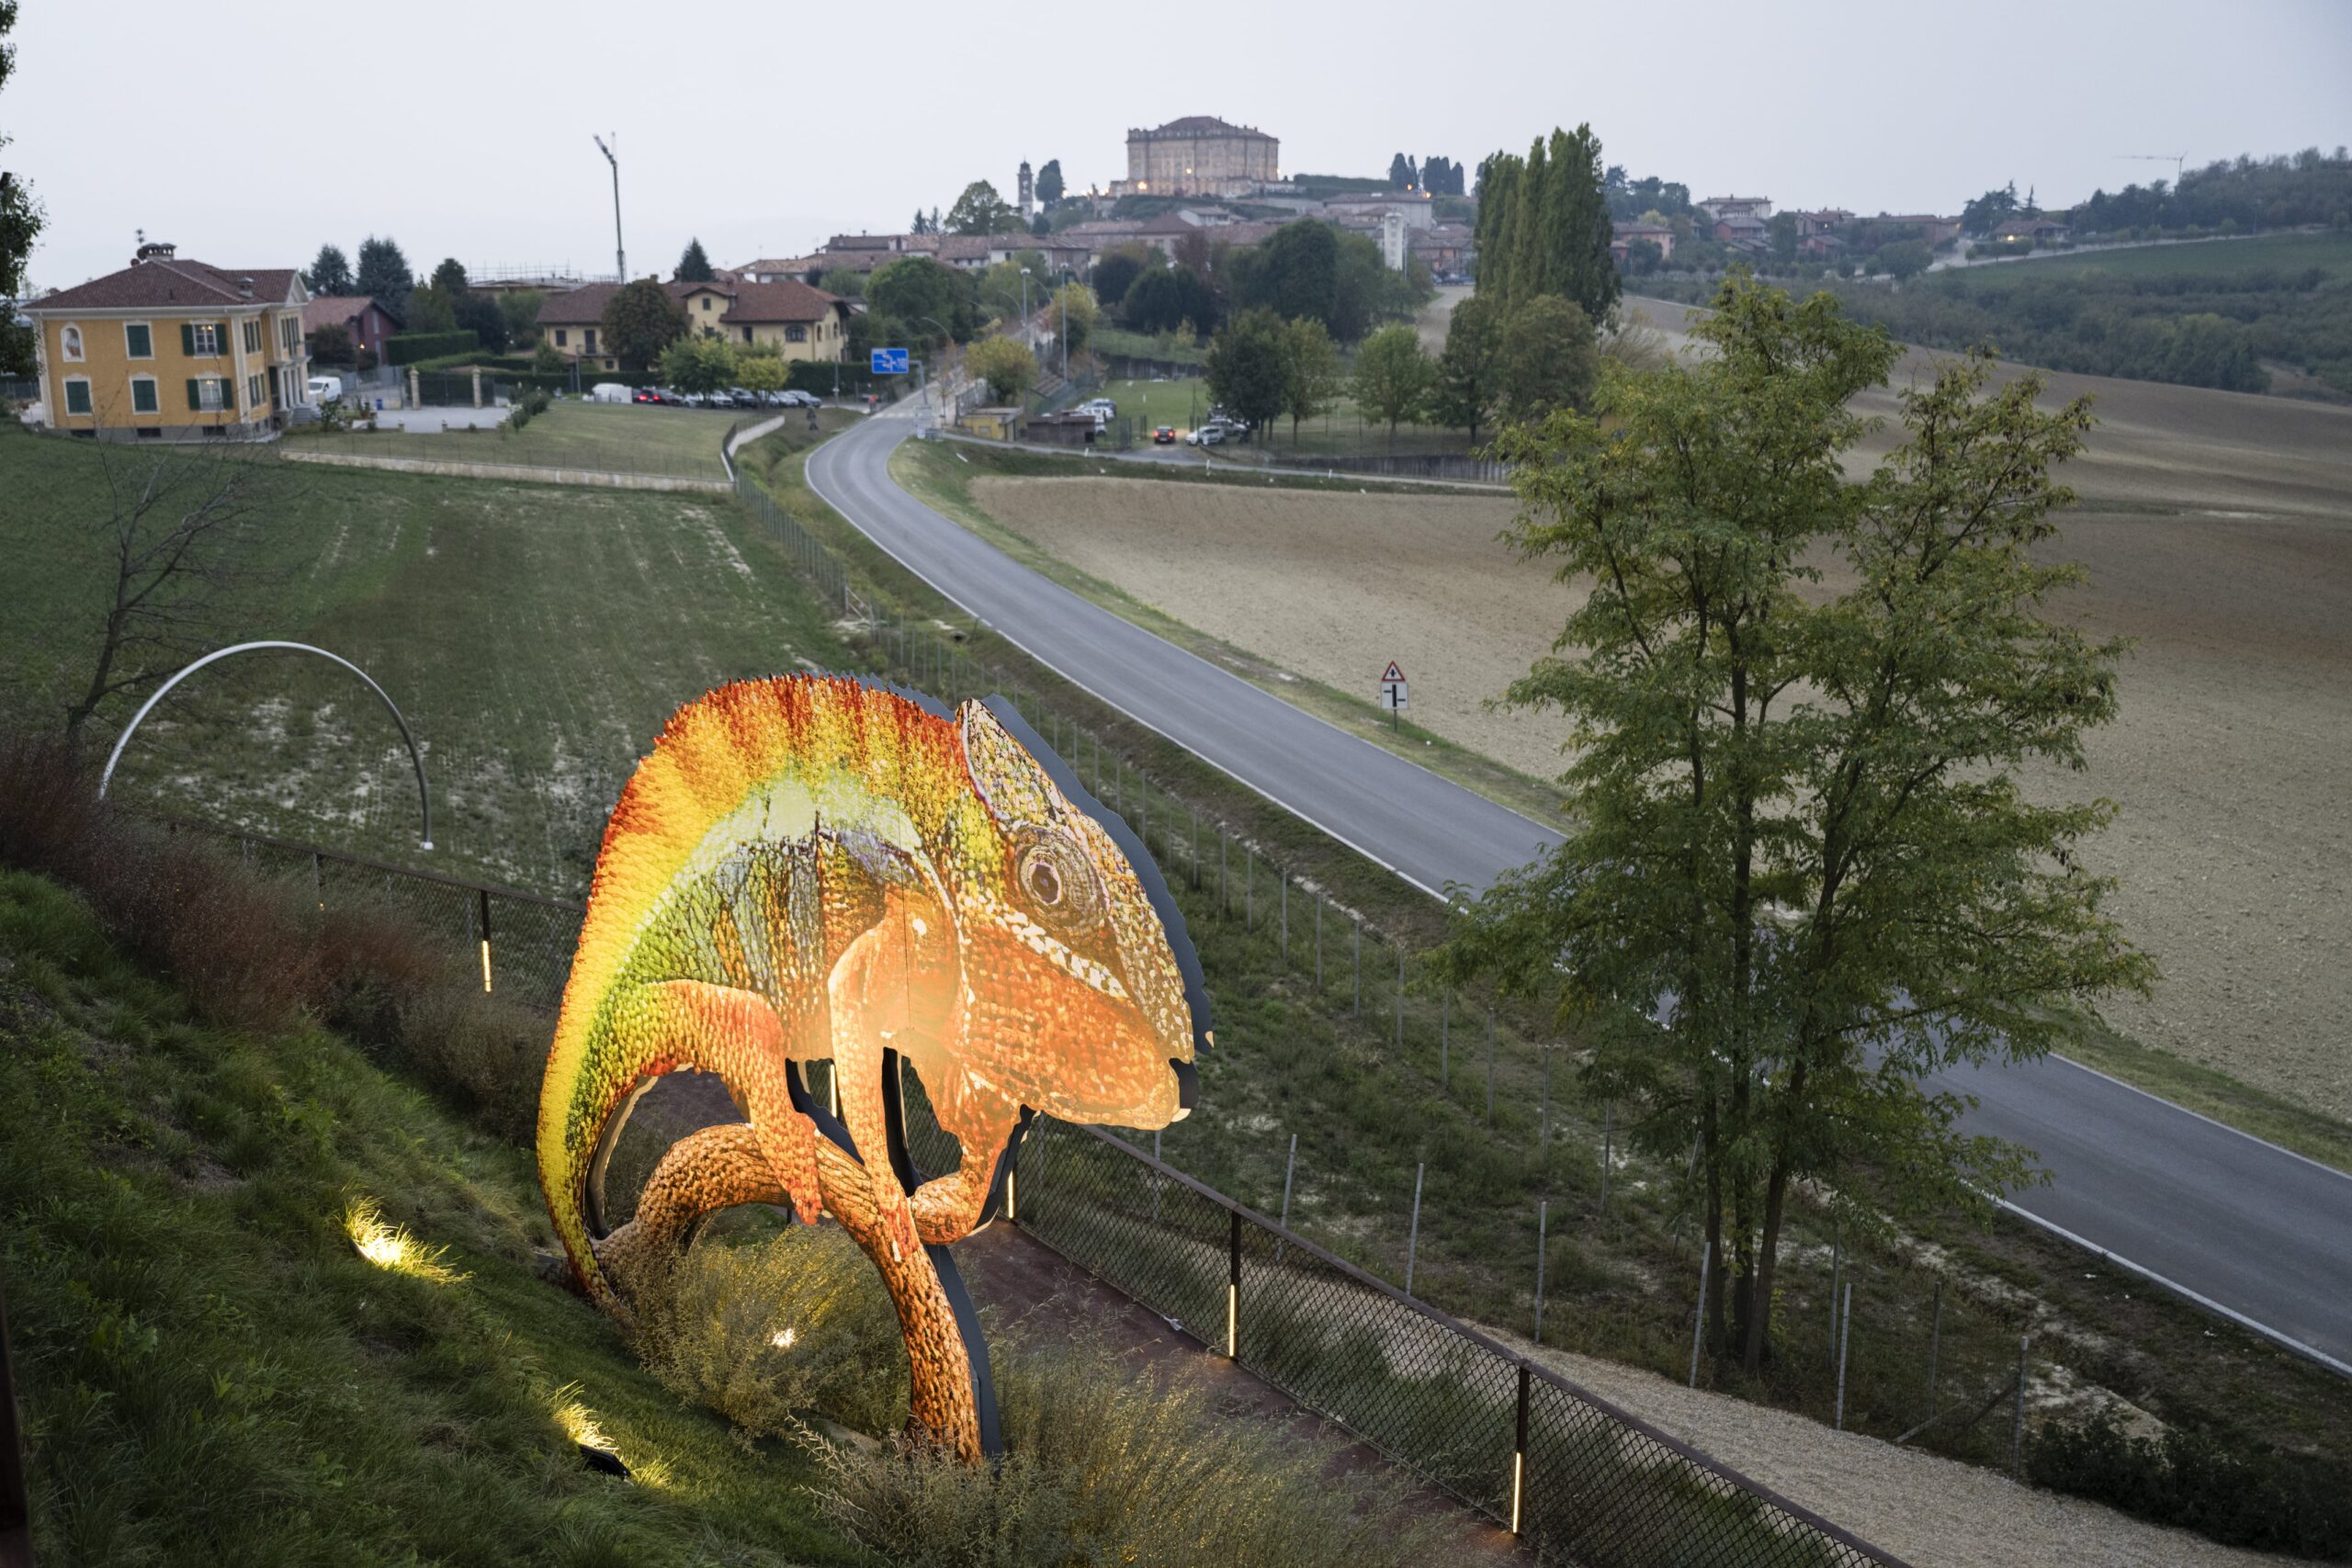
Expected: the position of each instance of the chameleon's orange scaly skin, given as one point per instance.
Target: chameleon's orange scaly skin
(807, 868)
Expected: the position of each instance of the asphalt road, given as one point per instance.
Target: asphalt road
(2258, 1233)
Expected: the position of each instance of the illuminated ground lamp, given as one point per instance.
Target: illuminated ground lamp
(812, 868)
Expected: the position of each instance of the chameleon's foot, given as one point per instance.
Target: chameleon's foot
(714, 1168)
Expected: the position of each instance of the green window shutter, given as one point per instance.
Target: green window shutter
(187, 341)
(224, 339)
(77, 396)
(195, 392)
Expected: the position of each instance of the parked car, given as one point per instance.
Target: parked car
(1207, 436)
(608, 392)
(326, 388)
(793, 398)
(1164, 435)
(718, 400)
(1103, 406)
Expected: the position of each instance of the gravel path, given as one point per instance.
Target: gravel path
(1931, 1512)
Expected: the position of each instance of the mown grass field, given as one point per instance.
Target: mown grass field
(535, 635)
(208, 1369)
(610, 437)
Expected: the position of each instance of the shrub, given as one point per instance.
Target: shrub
(2228, 1489)
(407, 348)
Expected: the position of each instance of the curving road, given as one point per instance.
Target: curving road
(2250, 1230)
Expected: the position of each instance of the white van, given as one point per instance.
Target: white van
(326, 388)
(608, 392)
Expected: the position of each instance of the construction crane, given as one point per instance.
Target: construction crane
(2175, 159)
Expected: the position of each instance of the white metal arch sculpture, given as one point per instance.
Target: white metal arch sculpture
(424, 798)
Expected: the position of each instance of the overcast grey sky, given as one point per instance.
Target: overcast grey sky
(248, 134)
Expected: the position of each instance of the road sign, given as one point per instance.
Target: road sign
(889, 361)
(1392, 691)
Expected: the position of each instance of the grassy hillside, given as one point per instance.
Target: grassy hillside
(621, 437)
(535, 635)
(210, 1371)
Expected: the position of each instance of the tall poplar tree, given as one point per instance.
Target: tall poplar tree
(1528, 254)
(1497, 190)
(1577, 231)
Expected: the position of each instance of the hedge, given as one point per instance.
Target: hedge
(817, 376)
(407, 348)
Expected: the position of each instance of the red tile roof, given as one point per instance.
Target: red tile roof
(790, 300)
(173, 283)
(337, 310)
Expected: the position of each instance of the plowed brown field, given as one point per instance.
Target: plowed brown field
(2218, 532)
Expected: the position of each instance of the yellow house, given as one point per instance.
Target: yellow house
(800, 322)
(170, 349)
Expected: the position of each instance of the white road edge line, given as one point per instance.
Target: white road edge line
(949, 594)
(2225, 1126)
(2285, 1341)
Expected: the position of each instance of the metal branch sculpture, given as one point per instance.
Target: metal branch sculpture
(810, 868)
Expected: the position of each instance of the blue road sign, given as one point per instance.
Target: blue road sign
(889, 361)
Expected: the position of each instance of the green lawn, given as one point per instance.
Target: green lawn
(211, 1373)
(535, 635)
(1342, 431)
(616, 437)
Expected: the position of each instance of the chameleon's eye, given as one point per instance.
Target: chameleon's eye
(1056, 883)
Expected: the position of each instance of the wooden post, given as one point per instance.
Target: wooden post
(1413, 1236)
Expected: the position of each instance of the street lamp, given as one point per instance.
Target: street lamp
(1028, 333)
(620, 256)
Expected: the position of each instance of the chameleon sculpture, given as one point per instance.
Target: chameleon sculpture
(812, 868)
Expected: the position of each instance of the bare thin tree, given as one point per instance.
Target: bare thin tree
(180, 534)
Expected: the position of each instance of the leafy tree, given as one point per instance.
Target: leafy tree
(330, 346)
(699, 363)
(1005, 364)
(1644, 257)
(1247, 366)
(640, 320)
(20, 223)
(430, 309)
(1400, 173)
(519, 307)
(1312, 379)
(760, 368)
(979, 211)
(1497, 197)
(1159, 302)
(1295, 273)
(846, 282)
(1905, 259)
(1803, 876)
(1468, 375)
(383, 273)
(480, 314)
(922, 225)
(1049, 182)
(1989, 212)
(1392, 375)
(929, 302)
(449, 279)
(329, 273)
(1072, 313)
(1117, 271)
(1783, 229)
(548, 360)
(1550, 359)
(1575, 262)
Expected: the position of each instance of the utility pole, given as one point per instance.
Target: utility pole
(1028, 333)
(620, 256)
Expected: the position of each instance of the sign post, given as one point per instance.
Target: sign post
(1392, 694)
(887, 361)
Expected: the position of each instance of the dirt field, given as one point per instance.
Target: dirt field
(2218, 530)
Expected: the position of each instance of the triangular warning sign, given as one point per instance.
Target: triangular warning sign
(1393, 674)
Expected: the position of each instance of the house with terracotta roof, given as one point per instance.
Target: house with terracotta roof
(573, 322)
(798, 321)
(172, 349)
(366, 317)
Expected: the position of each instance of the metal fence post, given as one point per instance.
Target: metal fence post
(1608, 1118)
(1844, 1337)
(1413, 1236)
(1490, 1066)
(1155, 1176)
(1444, 1035)
(1519, 1452)
(1698, 1327)
(483, 895)
(2016, 1423)
(1283, 877)
(1249, 887)
(1290, 1164)
(1836, 1273)
(1233, 1292)
(1540, 1206)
